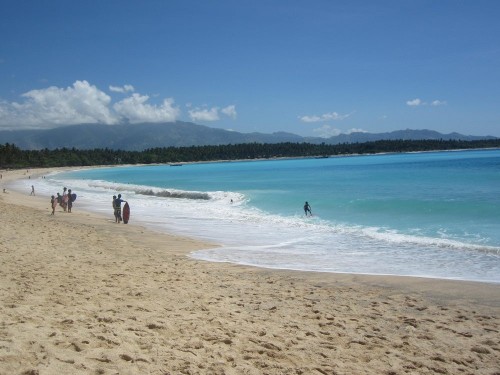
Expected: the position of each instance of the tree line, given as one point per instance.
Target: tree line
(13, 157)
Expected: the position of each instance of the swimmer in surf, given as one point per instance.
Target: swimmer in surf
(307, 209)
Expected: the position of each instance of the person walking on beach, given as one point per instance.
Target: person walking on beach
(32, 190)
(307, 209)
(53, 204)
(64, 204)
(70, 200)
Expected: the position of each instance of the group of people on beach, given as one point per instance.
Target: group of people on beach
(117, 207)
(65, 200)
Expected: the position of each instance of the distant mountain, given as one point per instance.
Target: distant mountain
(408, 134)
(139, 137)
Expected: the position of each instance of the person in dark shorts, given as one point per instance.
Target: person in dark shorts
(70, 200)
(307, 209)
(115, 210)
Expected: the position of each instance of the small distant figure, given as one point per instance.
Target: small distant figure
(4, 190)
(115, 210)
(307, 209)
(32, 190)
(64, 204)
(70, 200)
(53, 204)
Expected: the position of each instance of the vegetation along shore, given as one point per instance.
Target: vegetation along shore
(12, 156)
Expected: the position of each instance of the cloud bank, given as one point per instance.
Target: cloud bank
(85, 103)
(80, 103)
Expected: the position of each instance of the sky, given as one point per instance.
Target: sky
(313, 68)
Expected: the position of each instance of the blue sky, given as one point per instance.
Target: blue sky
(314, 68)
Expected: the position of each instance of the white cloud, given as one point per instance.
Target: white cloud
(46, 108)
(327, 131)
(204, 114)
(230, 111)
(418, 102)
(122, 89)
(438, 103)
(415, 102)
(310, 118)
(211, 114)
(136, 110)
(332, 116)
(355, 130)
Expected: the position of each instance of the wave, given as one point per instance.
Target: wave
(155, 192)
(174, 194)
(149, 191)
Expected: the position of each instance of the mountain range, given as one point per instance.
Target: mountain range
(138, 137)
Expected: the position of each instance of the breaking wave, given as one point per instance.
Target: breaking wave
(175, 194)
(148, 191)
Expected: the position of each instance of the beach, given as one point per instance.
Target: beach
(80, 294)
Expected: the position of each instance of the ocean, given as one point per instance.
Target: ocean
(432, 214)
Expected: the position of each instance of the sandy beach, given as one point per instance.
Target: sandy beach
(80, 294)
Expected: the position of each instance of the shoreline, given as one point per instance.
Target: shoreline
(83, 295)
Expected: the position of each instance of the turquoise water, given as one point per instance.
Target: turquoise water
(423, 214)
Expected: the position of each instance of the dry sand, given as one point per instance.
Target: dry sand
(80, 294)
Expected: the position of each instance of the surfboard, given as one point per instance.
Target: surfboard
(73, 197)
(126, 213)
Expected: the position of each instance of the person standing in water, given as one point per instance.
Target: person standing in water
(307, 209)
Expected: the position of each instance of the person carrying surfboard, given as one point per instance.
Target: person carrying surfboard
(118, 207)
